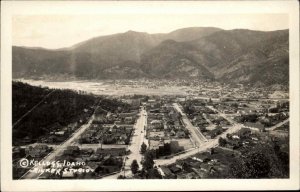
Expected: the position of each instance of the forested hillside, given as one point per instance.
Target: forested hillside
(59, 108)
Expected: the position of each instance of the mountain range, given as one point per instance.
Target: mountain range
(232, 56)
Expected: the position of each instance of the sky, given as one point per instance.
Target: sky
(59, 31)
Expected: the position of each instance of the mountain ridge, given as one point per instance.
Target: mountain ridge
(205, 53)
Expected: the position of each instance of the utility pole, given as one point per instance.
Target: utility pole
(124, 165)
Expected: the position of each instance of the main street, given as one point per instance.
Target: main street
(196, 134)
(137, 140)
(134, 147)
(59, 150)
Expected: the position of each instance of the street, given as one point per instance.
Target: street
(137, 139)
(278, 125)
(196, 134)
(205, 146)
(50, 157)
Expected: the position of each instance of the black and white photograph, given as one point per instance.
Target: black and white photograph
(131, 92)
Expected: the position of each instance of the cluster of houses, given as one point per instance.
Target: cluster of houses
(110, 128)
(202, 165)
(99, 161)
(214, 162)
(37, 151)
(59, 133)
(206, 120)
(117, 118)
(164, 129)
(248, 136)
(107, 134)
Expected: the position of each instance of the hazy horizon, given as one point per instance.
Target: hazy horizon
(63, 31)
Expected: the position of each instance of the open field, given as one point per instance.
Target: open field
(106, 88)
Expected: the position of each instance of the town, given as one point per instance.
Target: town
(214, 131)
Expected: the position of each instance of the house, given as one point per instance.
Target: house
(113, 128)
(86, 152)
(177, 124)
(123, 136)
(128, 130)
(151, 100)
(181, 99)
(92, 165)
(155, 144)
(108, 139)
(180, 134)
(128, 120)
(192, 175)
(166, 172)
(156, 134)
(156, 124)
(205, 167)
(121, 142)
(254, 138)
(37, 151)
(136, 102)
(197, 159)
(59, 133)
(244, 132)
(95, 157)
(16, 149)
(235, 137)
(172, 133)
(174, 115)
(175, 169)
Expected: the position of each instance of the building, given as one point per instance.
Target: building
(37, 151)
(155, 144)
(155, 135)
(128, 120)
(156, 124)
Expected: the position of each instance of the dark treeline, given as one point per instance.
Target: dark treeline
(62, 107)
(24, 97)
(114, 105)
(265, 161)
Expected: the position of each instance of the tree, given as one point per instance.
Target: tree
(148, 161)
(258, 165)
(143, 148)
(134, 167)
(121, 177)
(222, 142)
(252, 165)
(153, 174)
(228, 136)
